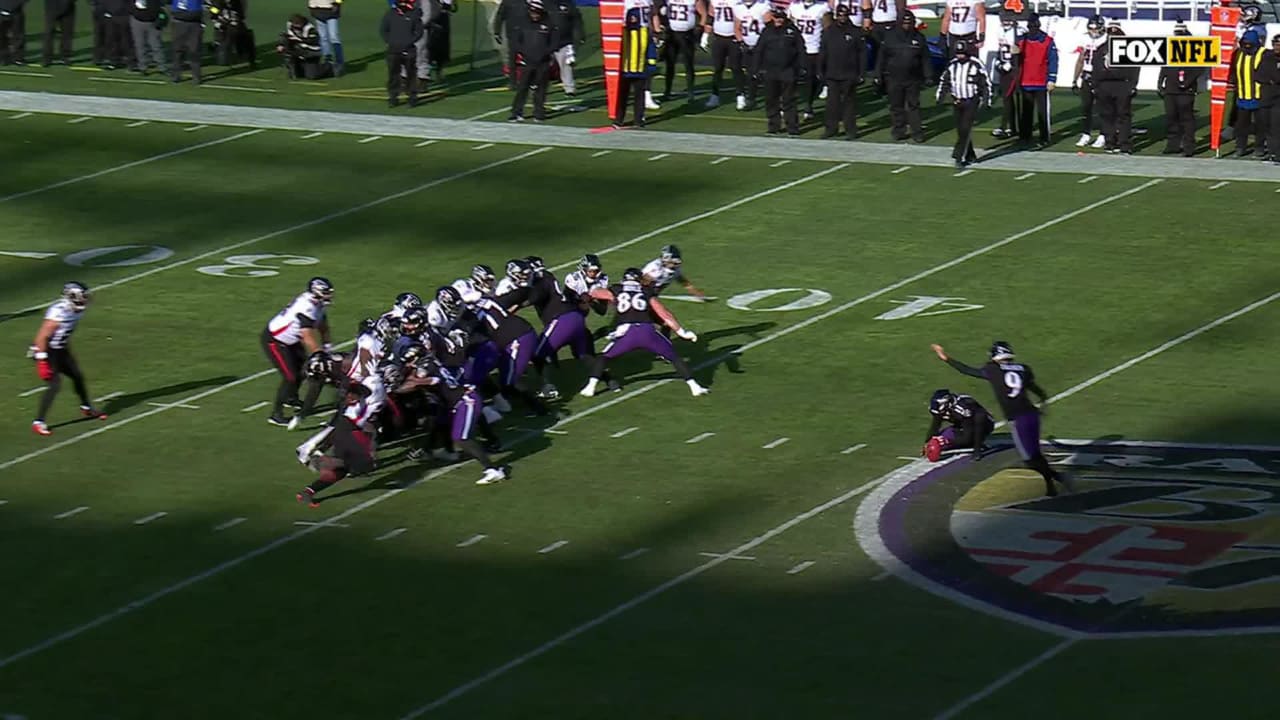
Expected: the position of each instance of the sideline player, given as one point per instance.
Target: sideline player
(637, 305)
(1011, 382)
(52, 352)
(968, 425)
(291, 336)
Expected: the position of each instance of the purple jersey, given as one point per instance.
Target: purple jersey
(632, 301)
(501, 326)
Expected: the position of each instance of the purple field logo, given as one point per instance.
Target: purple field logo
(1160, 539)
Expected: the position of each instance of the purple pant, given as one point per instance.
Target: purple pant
(639, 337)
(569, 329)
(483, 358)
(1026, 435)
(949, 434)
(516, 357)
(466, 413)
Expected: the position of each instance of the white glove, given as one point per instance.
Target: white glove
(31, 351)
(706, 42)
(686, 334)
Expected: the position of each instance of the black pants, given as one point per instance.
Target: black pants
(402, 68)
(287, 360)
(63, 363)
(439, 40)
(725, 51)
(510, 32)
(13, 39)
(1180, 123)
(780, 103)
(235, 41)
(877, 36)
(186, 45)
(965, 113)
(1115, 105)
(1273, 127)
(904, 108)
(99, 39)
(751, 84)
(1086, 104)
(1250, 122)
(842, 106)
(973, 434)
(115, 37)
(1034, 102)
(1009, 98)
(538, 77)
(679, 45)
(65, 26)
(629, 89)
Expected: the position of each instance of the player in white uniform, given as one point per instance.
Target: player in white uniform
(750, 18)
(1082, 81)
(879, 17)
(667, 268)
(807, 16)
(517, 276)
(649, 16)
(52, 352)
(855, 10)
(726, 49)
(1004, 70)
(680, 40)
(964, 21)
(291, 336)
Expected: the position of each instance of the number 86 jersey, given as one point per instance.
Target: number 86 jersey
(632, 300)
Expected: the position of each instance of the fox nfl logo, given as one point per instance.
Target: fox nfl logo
(1179, 51)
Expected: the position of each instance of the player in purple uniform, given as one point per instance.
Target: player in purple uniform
(516, 343)
(466, 418)
(1011, 382)
(968, 425)
(635, 330)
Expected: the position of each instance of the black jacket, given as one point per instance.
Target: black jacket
(59, 8)
(112, 8)
(1179, 80)
(904, 57)
(1104, 73)
(843, 52)
(510, 15)
(149, 12)
(537, 42)
(780, 52)
(11, 6)
(1269, 76)
(401, 30)
(567, 18)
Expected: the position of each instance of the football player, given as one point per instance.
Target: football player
(516, 342)
(351, 449)
(964, 21)
(405, 302)
(481, 352)
(368, 353)
(968, 425)
(517, 277)
(465, 417)
(480, 284)
(808, 17)
(51, 350)
(1012, 381)
(749, 18)
(1094, 40)
(636, 306)
(290, 336)
(667, 268)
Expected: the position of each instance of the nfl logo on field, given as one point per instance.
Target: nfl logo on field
(1177, 51)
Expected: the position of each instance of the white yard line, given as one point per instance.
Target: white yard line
(425, 143)
(138, 123)
(19, 116)
(624, 433)
(634, 554)
(472, 540)
(126, 166)
(110, 396)
(311, 135)
(314, 524)
(32, 391)
(229, 524)
(238, 87)
(553, 547)
(1024, 176)
(484, 146)
(854, 449)
(962, 173)
(371, 138)
(194, 128)
(729, 556)
(1217, 186)
(255, 406)
(77, 121)
(719, 160)
(699, 438)
(71, 512)
(178, 405)
(285, 231)
(775, 443)
(801, 567)
(392, 533)
(1007, 678)
(150, 518)
(600, 153)
(780, 163)
(902, 169)
(1088, 179)
(491, 113)
(585, 413)
(659, 156)
(881, 576)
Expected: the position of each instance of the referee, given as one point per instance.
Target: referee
(52, 352)
(965, 81)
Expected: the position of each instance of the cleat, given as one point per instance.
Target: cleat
(650, 103)
(713, 101)
(295, 403)
(1100, 142)
(417, 454)
(492, 476)
(501, 404)
(615, 386)
(89, 412)
(590, 389)
(742, 102)
(278, 421)
(40, 428)
(549, 392)
(1084, 140)
(697, 390)
(823, 95)
(295, 422)
(308, 497)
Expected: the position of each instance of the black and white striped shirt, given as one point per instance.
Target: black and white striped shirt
(965, 80)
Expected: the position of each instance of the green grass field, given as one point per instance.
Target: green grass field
(476, 88)
(654, 555)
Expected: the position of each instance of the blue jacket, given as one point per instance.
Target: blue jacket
(191, 6)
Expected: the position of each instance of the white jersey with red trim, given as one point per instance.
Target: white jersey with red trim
(682, 15)
(884, 11)
(722, 17)
(287, 325)
(855, 10)
(368, 345)
(964, 16)
(808, 19)
(751, 15)
(1088, 51)
(364, 413)
(67, 317)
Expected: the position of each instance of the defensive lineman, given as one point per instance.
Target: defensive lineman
(52, 352)
(291, 336)
(1012, 381)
